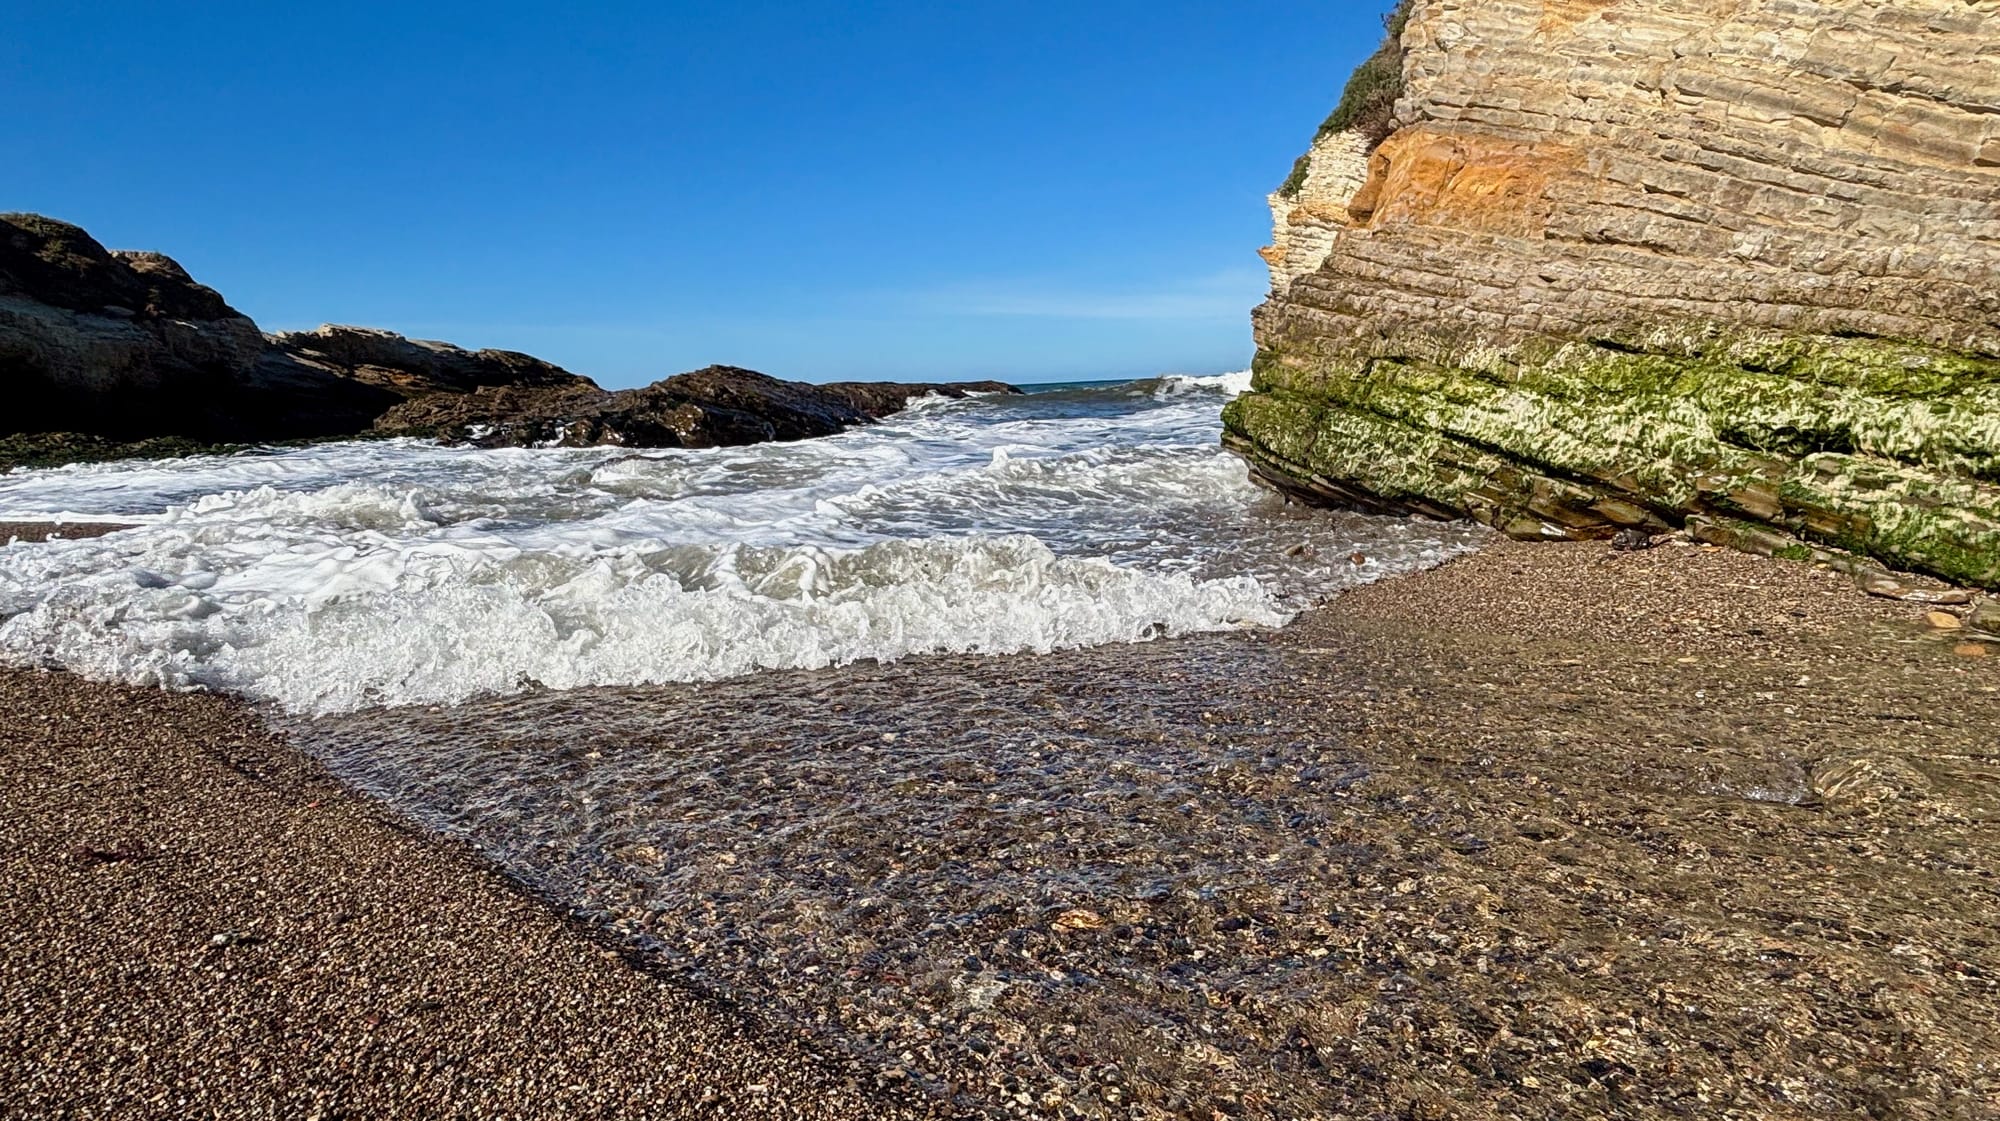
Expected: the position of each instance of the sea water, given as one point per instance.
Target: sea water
(342, 576)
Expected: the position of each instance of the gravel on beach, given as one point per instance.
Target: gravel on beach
(1551, 831)
(196, 922)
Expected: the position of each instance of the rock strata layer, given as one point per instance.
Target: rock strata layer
(376, 370)
(1623, 263)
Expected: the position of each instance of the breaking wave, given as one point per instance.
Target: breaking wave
(344, 576)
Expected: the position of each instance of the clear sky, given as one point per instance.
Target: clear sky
(1013, 188)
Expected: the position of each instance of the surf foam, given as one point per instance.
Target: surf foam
(336, 577)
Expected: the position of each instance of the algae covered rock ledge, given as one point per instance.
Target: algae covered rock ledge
(1624, 264)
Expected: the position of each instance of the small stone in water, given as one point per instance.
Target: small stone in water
(1078, 919)
(1970, 650)
(1943, 620)
(1985, 617)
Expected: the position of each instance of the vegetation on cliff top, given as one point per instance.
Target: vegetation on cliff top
(1368, 103)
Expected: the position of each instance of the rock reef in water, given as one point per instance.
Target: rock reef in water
(720, 406)
(107, 353)
(1623, 264)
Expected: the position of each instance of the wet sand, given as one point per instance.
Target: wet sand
(1699, 834)
(1673, 833)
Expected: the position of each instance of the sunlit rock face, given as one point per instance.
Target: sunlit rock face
(1308, 218)
(1621, 263)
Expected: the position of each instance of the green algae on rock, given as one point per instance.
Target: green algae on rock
(1622, 266)
(1887, 449)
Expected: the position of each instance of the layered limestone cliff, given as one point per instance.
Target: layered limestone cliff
(1650, 263)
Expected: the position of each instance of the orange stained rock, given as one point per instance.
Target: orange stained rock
(1467, 181)
(1561, 15)
(1331, 213)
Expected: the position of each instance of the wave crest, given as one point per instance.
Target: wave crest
(442, 625)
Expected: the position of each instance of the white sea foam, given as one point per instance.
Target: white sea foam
(369, 619)
(336, 577)
(1230, 384)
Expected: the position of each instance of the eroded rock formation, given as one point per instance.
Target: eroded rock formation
(409, 367)
(108, 353)
(720, 406)
(1623, 263)
(117, 339)
(127, 346)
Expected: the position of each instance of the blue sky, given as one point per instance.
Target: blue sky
(1025, 190)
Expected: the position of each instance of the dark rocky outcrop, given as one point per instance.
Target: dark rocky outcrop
(344, 378)
(719, 406)
(413, 367)
(112, 347)
(1640, 264)
(105, 354)
(118, 345)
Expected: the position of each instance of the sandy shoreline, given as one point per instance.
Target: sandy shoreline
(1672, 833)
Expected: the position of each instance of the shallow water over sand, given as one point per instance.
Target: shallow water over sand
(1050, 868)
(1567, 833)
